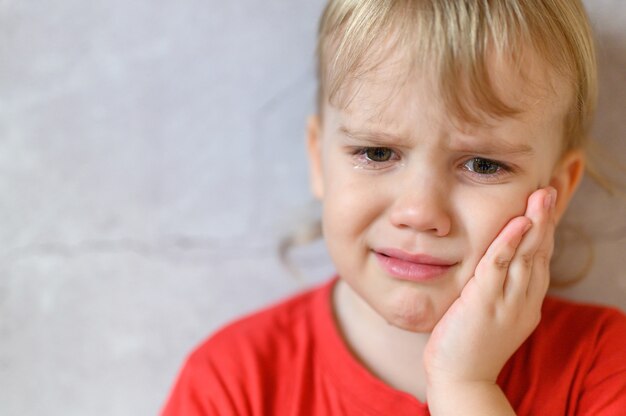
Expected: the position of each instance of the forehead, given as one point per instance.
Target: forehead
(397, 90)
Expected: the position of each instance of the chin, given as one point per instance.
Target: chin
(412, 323)
(412, 315)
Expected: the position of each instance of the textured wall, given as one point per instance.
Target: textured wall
(151, 155)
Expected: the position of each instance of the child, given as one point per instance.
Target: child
(448, 143)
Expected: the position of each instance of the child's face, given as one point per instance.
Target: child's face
(429, 186)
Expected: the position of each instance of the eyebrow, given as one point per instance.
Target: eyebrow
(374, 137)
(493, 146)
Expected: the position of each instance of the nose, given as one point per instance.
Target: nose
(421, 205)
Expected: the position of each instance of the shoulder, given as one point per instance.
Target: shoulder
(575, 359)
(580, 330)
(573, 339)
(265, 334)
(570, 319)
(235, 369)
(586, 353)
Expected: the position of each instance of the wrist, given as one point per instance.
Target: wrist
(454, 397)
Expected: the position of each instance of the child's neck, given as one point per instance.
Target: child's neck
(390, 353)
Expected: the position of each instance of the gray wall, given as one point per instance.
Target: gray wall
(151, 156)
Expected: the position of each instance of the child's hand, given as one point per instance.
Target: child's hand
(499, 307)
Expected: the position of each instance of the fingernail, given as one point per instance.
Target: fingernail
(550, 199)
(547, 201)
(553, 199)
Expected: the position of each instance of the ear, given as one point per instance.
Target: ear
(566, 177)
(314, 148)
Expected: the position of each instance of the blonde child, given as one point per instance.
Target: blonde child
(449, 140)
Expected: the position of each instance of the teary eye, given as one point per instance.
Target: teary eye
(483, 166)
(378, 154)
(374, 158)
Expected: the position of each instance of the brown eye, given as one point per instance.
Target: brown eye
(483, 166)
(378, 154)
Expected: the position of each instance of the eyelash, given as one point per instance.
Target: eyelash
(503, 170)
(364, 161)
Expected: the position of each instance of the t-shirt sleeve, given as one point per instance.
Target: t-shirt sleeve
(206, 386)
(245, 367)
(604, 389)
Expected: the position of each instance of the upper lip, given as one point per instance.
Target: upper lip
(414, 258)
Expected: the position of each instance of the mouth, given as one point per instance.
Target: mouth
(413, 267)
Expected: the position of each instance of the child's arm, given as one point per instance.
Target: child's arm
(497, 310)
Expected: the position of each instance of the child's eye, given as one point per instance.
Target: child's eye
(378, 154)
(482, 166)
(373, 157)
(486, 169)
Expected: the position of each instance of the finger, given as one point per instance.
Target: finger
(521, 268)
(540, 275)
(491, 272)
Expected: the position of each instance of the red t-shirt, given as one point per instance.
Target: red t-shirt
(290, 359)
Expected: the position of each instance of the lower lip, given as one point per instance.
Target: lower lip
(407, 270)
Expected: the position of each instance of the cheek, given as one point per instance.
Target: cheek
(484, 218)
(350, 210)
(350, 204)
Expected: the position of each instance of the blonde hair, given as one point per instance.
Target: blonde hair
(457, 37)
